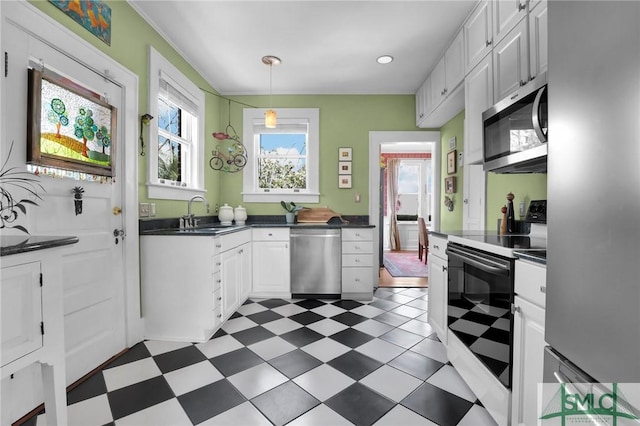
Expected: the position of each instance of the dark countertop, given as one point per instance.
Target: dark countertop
(210, 226)
(533, 256)
(15, 244)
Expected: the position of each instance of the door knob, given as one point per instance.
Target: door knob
(116, 211)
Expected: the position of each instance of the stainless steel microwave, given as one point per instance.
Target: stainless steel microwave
(515, 131)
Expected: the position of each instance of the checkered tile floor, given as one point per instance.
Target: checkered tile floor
(296, 362)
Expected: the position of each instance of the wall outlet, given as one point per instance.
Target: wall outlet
(152, 210)
(143, 210)
(521, 208)
(357, 197)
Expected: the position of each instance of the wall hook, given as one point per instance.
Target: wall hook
(77, 192)
(145, 119)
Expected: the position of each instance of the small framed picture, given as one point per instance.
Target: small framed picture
(345, 154)
(450, 185)
(344, 181)
(452, 161)
(452, 143)
(344, 167)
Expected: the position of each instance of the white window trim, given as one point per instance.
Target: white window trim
(312, 194)
(158, 66)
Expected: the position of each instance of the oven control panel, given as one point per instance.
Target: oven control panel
(537, 212)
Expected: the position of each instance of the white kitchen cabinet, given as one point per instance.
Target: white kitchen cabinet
(181, 287)
(449, 72)
(510, 59)
(478, 36)
(506, 15)
(235, 256)
(438, 277)
(357, 263)
(478, 95)
(32, 328)
(271, 263)
(423, 101)
(528, 341)
(538, 41)
(21, 311)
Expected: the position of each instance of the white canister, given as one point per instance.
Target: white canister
(240, 215)
(225, 215)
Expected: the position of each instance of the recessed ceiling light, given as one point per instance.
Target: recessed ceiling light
(385, 59)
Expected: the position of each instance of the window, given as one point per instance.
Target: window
(176, 135)
(282, 162)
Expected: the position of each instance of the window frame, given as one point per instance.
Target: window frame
(250, 190)
(161, 68)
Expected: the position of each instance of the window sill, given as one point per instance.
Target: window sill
(271, 197)
(165, 192)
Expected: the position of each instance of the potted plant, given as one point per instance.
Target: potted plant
(291, 209)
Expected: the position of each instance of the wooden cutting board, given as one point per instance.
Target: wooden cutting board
(317, 215)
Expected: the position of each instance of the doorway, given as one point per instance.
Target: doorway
(403, 144)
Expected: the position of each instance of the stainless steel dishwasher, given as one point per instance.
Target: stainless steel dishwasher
(316, 262)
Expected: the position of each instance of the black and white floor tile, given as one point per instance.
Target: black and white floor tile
(295, 362)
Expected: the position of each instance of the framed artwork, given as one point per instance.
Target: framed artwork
(94, 16)
(344, 181)
(452, 143)
(344, 167)
(452, 161)
(450, 185)
(345, 154)
(69, 127)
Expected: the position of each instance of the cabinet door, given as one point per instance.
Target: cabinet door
(246, 273)
(438, 84)
(271, 267)
(528, 355)
(538, 43)
(478, 38)
(478, 94)
(454, 63)
(437, 304)
(230, 281)
(421, 103)
(506, 15)
(510, 62)
(21, 310)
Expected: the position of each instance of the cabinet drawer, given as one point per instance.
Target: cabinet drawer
(270, 234)
(438, 246)
(217, 299)
(234, 239)
(217, 281)
(357, 247)
(357, 234)
(530, 282)
(362, 260)
(356, 280)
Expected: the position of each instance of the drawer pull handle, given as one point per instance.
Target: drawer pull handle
(219, 315)
(357, 280)
(219, 297)
(270, 234)
(218, 245)
(543, 289)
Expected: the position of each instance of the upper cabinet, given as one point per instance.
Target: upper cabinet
(510, 59)
(506, 15)
(478, 38)
(441, 97)
(538, 44)
(478, 97)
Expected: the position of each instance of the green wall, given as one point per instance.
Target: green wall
(451, 220)
(345, 121)
(525, 187)
(130, 38)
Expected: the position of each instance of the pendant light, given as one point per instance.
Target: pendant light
(270, 117)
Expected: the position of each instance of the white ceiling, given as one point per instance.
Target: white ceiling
(326, 47)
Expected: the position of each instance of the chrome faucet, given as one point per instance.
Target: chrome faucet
(189, 220)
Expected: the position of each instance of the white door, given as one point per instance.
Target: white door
(93, 273)
(474, 198)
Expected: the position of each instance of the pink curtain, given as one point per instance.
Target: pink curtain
(392, 196)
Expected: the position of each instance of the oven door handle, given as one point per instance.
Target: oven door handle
(479, 262)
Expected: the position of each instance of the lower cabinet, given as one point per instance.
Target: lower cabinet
(235, 270)
(528, 342)
(271, 263)
(438, 276)
(357, 263)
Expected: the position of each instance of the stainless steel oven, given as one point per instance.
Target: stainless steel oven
(480, 297)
